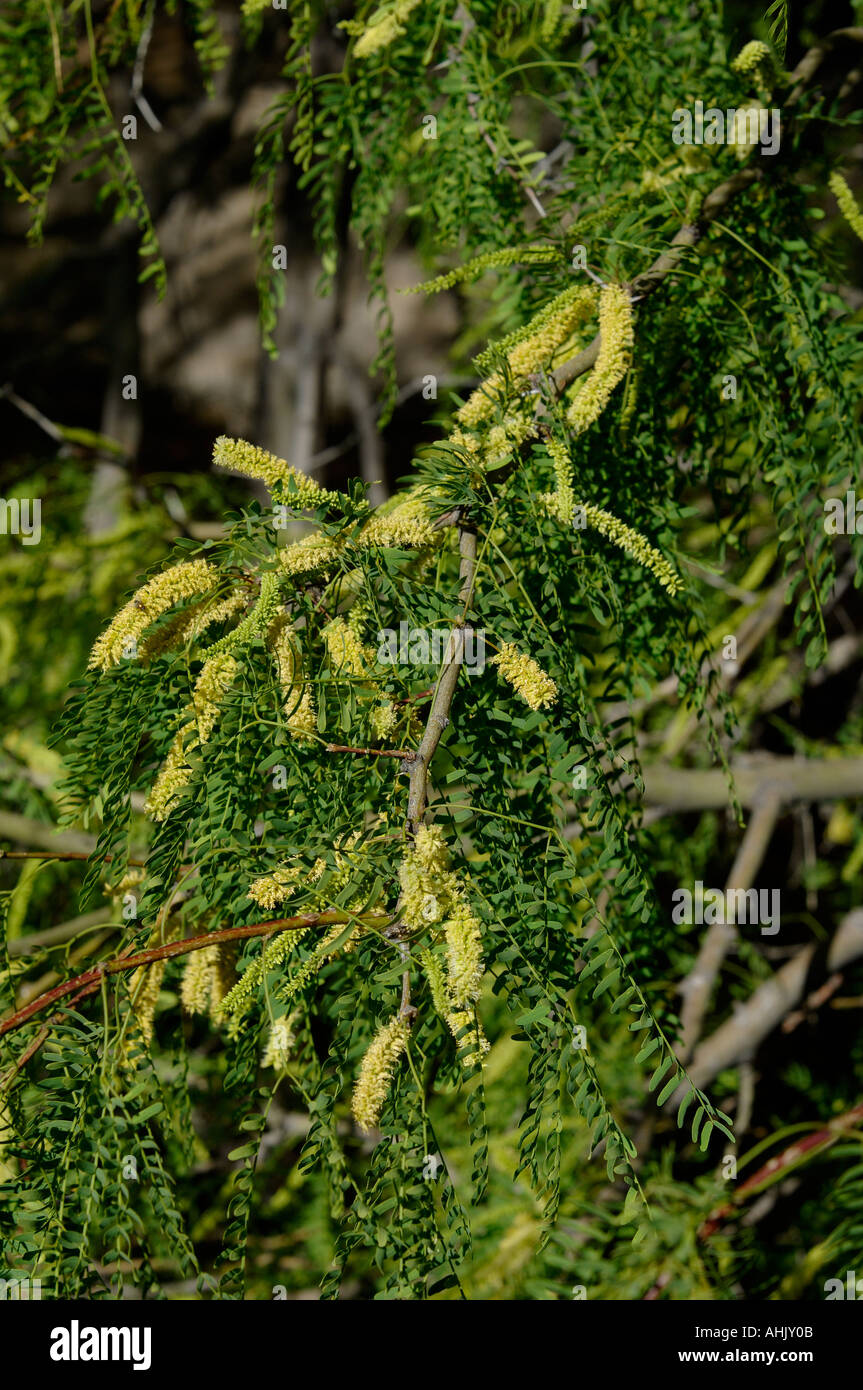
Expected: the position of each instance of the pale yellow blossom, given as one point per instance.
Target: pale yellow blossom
(525, 676)
(123, 633)
(613, 359)
(301, 491)
(847, 202)
(752, 56)
(385, 25)
(280, 1042)
(346, 652)
(464, 955)
(298, 705)
(532, 349)
(376, 1072)
(313, 554)
(214, 682)
(188, 626)
(407, 525)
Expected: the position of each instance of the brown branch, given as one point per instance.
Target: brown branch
(814, 57)
(794, 779)
(41, 1037)
(473, 107)
(91, 980)
(667, 262)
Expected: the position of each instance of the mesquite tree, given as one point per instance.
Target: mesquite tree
(366, 780)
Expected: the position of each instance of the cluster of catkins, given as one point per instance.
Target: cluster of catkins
(500, 414)
(434, 906)
(490, 426)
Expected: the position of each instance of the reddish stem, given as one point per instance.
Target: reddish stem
(90, 980)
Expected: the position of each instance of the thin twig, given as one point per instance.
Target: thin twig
(439, 713)
(139, 99)
(403, 753)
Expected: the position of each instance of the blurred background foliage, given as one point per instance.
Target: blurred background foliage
(76, 319)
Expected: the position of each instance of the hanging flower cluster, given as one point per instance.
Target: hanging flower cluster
(529, 350)
(755, 59)
(847, 202)
(377, 1070)
(387, 23)
(526, 677)
(562, 505)
(299, 707)
(120, 639)
(211, 687)
(613, 359)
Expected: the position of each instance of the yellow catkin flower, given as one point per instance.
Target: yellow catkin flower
(526, 677)
(299, 705)
(464, 955)
(562, 505)
(467, 442)
(561, 502)
(314, 554)
(847, 203)
(428, 888)
(385, 26)
(503, 439)
(277, 1053)
(188, 626)
(7, 1132)
(534, 350)
(376, 1072)
(276, 473)
(217, 676)
(489, 260)
(551, 19)
(456, 1019)
(751, 57)
(434, 973)
(634, 544)
(612, 362)
(122, 634)
(270, 890)
(384, 718)
(321, 954)
(237, 999)
(630, 401)
(197, 984)
(345, 650)
(174, 775)
(432, 895)
(405, 526)
(145, 984)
